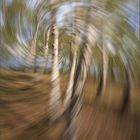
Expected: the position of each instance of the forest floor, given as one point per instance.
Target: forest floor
(23, 110)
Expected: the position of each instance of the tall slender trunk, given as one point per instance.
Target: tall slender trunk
(54, 100)
(68, 93)
(77, 90)
(126, 92)
(104, 66)
(46, 49)
(100, 85)
(103, 77)
(75, 104)
(32, 51)
(74, 53)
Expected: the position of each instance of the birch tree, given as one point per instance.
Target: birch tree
(89, 35)
(46, 50)
(74, 49)
(55, 94)
(104, 66)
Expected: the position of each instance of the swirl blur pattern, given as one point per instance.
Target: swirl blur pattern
(69, 70)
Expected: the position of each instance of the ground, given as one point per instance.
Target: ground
(23, 111)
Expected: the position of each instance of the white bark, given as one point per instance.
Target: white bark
(46, 48)
(68, 93)
(79, 81)
(105, 69)
(104, 65)
(32, 50)
(47, 43)
(54, 100)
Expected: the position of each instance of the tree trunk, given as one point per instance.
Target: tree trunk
(32, 51)
(68, 93)
(126, 92)
(54, 100)
(104, 66)
(103, 76)
(100, 85)
(46, 49)
(77, 90)
(74, 53)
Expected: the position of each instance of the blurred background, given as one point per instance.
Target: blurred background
(69, 70)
